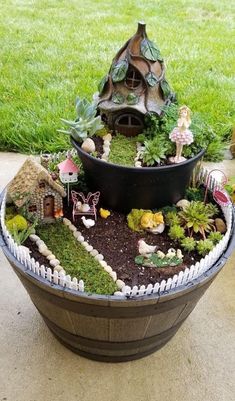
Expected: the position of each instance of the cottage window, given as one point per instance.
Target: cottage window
(133, 78)
(41, 184)
(129, 124)
(129, 120)
(32, 208)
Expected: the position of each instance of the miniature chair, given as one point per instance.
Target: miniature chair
(91, 200)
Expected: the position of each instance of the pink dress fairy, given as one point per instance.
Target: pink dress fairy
(181, 134)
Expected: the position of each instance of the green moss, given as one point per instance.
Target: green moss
(134, 218)
(75, 259)
(123, 150)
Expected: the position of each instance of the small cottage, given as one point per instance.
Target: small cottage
(134, 86)
(68, 171)
(33, 188)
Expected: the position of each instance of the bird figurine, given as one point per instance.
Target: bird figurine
(104, 213)
(88, 223)
(153, 222)
(171, 253)
(145, 249)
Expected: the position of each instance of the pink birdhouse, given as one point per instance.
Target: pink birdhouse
(68, 171)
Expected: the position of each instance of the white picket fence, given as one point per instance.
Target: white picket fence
(182, 278)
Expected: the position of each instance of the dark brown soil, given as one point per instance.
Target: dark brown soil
(98, 146)
(119, 245)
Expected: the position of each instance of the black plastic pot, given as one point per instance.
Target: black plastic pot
(124, 188)
(107, 328)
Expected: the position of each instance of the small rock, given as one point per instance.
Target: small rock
(113, 275)
(220, 225)
(34, 237)
(54, 262)
(67, 222)
(42, 248)
(103, 263)
(40, 242)
(89, 248)
(94, 252)
(120, 284)
(88, 145)
(138, 164)
(99, 257)
(47, 252)
(108, 269)
(107, 137)
(72, 227)
(183, 203)
(58, 268)
(84, 243)
(119, 294)
(51, 257)
(62, 272)
(80, 238)
(76, 234)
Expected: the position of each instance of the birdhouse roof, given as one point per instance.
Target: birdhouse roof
(136, 79)
(28, 177)
(68, 166)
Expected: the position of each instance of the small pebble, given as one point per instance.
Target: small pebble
(108, 269)
(34, 237)
(119, 294)
(113, 275)
(62, 272)
(89, 248)
(51, 257)
(99, 257)
(67, 222)
(42, 248)
(40, 242)
(80, 238)
(138, 164)
(47, 252)
(54, 262)
(76, 234)
(72, 227)
(103, 263)
(94, 252)
(106, 143)
(84, 243)
(58, 268)
(120, 284)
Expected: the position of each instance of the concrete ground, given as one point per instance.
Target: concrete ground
(197, 364)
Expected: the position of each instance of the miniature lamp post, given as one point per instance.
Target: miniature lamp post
(181, 134)
(68, 172)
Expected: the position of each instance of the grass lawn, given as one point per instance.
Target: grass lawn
(51, 51)
(75, 259)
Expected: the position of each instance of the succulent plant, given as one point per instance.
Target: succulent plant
(155, 151)
(86, 123)
(188, 244)
(172, 219)
(176, 232)
(197, 217)
(215, 237)
(204, 246)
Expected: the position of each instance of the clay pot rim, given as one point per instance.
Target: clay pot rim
(77, 146)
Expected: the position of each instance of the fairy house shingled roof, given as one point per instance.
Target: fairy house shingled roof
(134, 86)
(27, 179)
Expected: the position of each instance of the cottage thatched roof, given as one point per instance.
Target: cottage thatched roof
(24, 183)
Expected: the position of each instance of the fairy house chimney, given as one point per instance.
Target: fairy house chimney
(134, 86)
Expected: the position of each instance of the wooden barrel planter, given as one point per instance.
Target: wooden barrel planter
(107, 328)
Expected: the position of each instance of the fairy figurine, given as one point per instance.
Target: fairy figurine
(181, 134)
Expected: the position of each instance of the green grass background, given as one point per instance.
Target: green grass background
(53, 50)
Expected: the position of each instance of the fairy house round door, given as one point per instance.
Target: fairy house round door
(129, 123)
(48, 206)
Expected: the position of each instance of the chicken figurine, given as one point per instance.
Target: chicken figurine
(104, 213)
(145, 249)
(88, 223)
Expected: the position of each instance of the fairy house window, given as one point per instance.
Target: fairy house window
(133, 78)
(37, 190)
(134, 86)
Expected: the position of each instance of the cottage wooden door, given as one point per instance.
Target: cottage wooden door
(48, 206)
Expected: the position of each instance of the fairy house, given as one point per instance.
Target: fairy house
(33, 187)
(68, 171)
(134, 86)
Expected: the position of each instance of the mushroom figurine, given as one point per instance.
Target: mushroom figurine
(181, 134)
